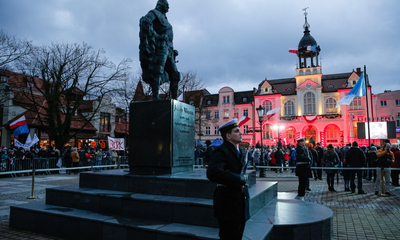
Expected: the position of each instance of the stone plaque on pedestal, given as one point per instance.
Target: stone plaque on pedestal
(161, 139)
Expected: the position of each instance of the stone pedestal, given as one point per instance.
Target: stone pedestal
(161, 137)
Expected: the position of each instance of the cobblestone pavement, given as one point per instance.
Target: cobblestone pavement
(355, 216)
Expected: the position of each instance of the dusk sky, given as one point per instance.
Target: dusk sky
(233, 43)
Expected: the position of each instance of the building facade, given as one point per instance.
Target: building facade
(306, 102)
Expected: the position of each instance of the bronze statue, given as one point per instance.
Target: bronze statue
(156, 52)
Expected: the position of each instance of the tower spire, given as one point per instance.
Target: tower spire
(306, 26)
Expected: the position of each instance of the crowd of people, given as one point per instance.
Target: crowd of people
(333, 160)
(14, 159)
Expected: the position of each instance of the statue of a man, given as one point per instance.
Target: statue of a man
(156, 52)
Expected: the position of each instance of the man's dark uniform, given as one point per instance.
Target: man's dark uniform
(303, 170)
(355, 157)
(231, 198)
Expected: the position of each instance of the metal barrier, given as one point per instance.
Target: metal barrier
(20, 166)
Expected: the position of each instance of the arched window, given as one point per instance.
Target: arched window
(332, 134)
(309, 103)
(330, 86)
(330, 105)
(267, 105)
(310, 134)
(289, 108)
(267, 131)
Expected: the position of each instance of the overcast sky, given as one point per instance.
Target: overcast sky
(235, 43)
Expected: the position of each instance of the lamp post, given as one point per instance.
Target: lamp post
(260, 112)
(279, 127)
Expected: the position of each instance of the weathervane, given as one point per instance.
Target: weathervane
(306, 25)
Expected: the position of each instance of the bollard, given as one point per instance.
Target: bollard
(382, 184)
(33, 185)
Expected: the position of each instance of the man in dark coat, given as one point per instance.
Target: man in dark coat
(303, 171)
(355, 158)
(231, 196)
(320, 151)
(279, 159)
(315, 159)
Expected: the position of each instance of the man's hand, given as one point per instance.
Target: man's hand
(244, 178)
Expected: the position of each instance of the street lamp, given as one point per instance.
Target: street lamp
(260, 112)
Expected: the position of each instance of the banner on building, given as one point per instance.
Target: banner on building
(116, 143)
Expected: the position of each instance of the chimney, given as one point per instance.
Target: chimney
(358, 70)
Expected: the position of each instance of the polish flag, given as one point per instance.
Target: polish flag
(272, 112)
(294, 50)
(243, 120)
(180, 98)
(19, 122)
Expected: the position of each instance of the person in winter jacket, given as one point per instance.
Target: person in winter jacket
(355, 158)
(346, 173)
(330, 159)
(75, 159)
(385, 158)
(314, 159)
(395, 164)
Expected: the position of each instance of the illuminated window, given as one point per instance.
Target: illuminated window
(353, 129)
(267, 131)
(310, 133)
(289, 108)
(309, 103)
(330, 105)
(105, 125)
(290, 133)
(226, 113)
(267, 105)
(332, 134)
(356, 104)
(235, 113)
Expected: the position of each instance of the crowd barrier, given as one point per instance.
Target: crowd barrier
(20, 166)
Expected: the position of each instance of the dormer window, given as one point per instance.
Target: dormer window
(266, 90)
(288, 89)
(191, 103)
(330, 86)
(245, 99)
(208, 102)
(354, 82)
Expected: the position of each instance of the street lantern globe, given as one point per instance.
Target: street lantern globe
(260, 111)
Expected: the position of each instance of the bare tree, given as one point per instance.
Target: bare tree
(189, 83)
(61, 81)
(12, 49)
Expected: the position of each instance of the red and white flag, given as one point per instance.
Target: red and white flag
(294, 50)
(243, 120)
(19, 122)
(180, 98)
(272, 112)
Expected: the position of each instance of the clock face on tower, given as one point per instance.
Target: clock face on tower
(308, 85)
